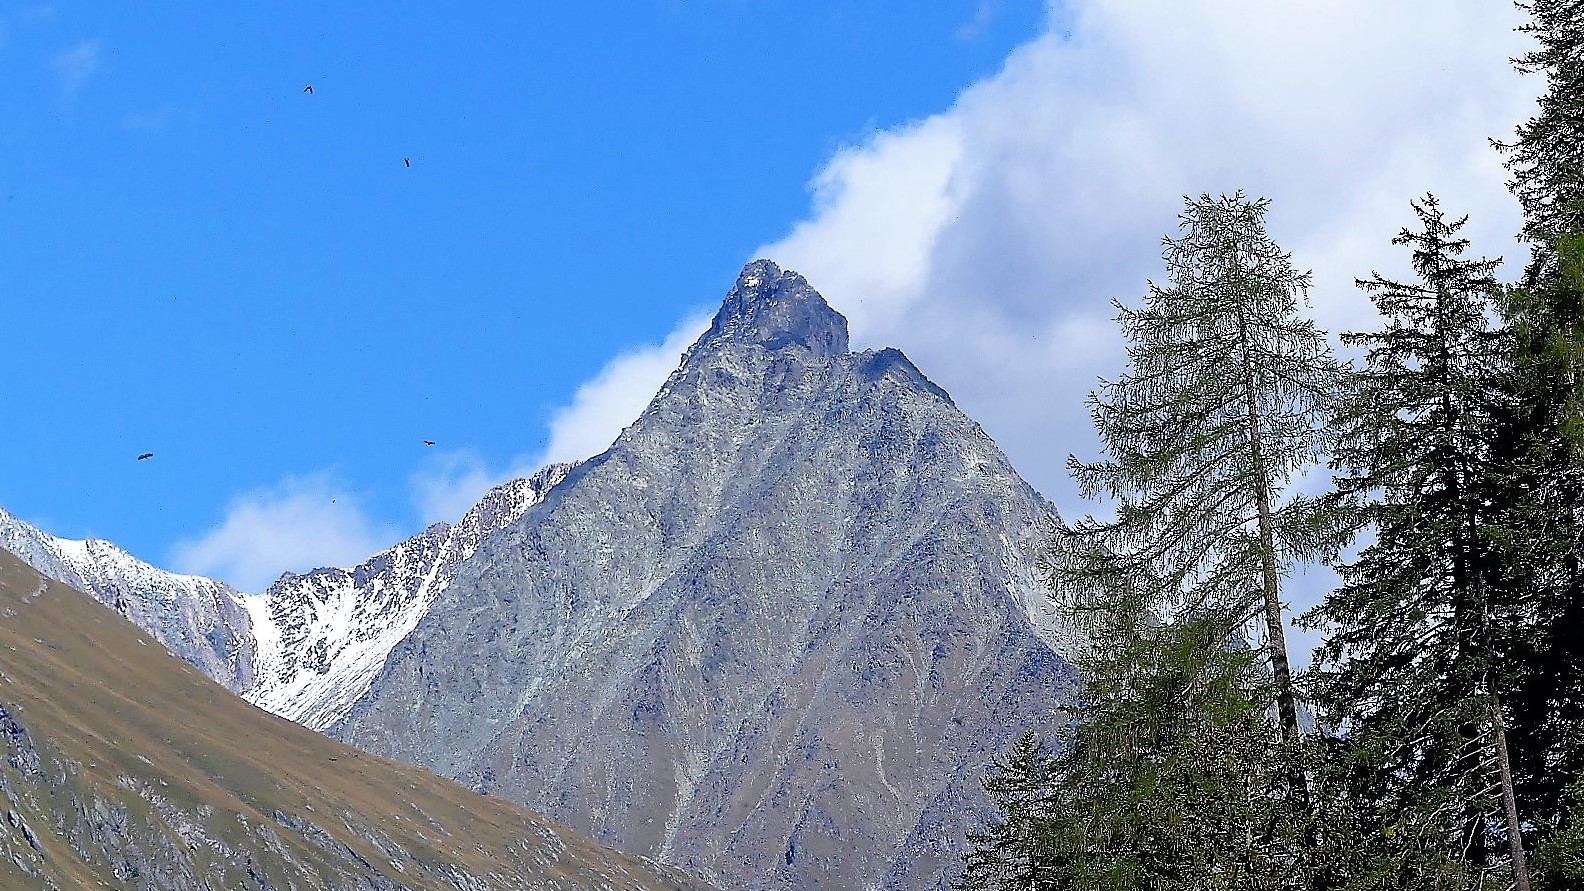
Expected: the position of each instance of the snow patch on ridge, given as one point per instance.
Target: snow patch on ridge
(312, 644)
(324, 636)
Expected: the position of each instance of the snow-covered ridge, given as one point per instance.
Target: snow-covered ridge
(199, 619)
(322, 637)
(311, 644)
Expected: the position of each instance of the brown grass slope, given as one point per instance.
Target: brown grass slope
(126, 768)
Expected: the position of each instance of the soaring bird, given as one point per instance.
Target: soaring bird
(308, 89)
(428, 442)
(145, 456)
(406, 162)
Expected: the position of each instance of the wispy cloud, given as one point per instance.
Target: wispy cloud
(452, 482)
(612, 399)
(310, 521)
(76, 65)
(984, 14)
(303, 523)
(24, 16)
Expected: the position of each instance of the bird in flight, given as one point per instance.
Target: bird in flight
(406, 162)
(428, 442)
(145, 456)
(308, 89)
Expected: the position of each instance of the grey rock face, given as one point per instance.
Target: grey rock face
(198, 619)
(773, 635)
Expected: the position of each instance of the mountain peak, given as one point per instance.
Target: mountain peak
(776, 308)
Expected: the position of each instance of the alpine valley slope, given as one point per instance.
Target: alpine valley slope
(773, 635)
(126, 768)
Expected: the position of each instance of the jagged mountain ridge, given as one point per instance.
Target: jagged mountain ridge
(311, 643)
(322, 636)
(123, 767)
(774, 634)
(201, 620)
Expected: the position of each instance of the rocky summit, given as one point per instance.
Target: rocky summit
(773, 635)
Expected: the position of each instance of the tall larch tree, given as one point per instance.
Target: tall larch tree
(1185, 768)
(1222, 405)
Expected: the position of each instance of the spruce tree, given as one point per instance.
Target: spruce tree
(1547, 158)
(1414, 668)
(1539, 441)
(1539, 445)
(1017, 850)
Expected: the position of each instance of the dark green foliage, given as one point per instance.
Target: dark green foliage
(1412, 662)
(1172, 781)
(1547, 159)
(1539, 445)
(1559, 865)
(1018, 850)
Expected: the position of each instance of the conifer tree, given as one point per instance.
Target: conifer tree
(1539, 445)
(1173, 779)
(1413, 668)
(1547, 158)
(1224, 401)
(1185, 769)
(1540, 438)
(1017, 850)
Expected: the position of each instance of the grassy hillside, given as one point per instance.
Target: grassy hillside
(126, 768)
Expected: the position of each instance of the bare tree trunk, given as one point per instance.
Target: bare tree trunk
(1276, 635)
(1520, 863)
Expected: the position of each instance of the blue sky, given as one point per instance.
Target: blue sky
(201, 261)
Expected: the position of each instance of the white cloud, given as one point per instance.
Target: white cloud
(303, 523)
(76, 65)
(987, 241)
(452, 482)
(612, 399)
(984, 14)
